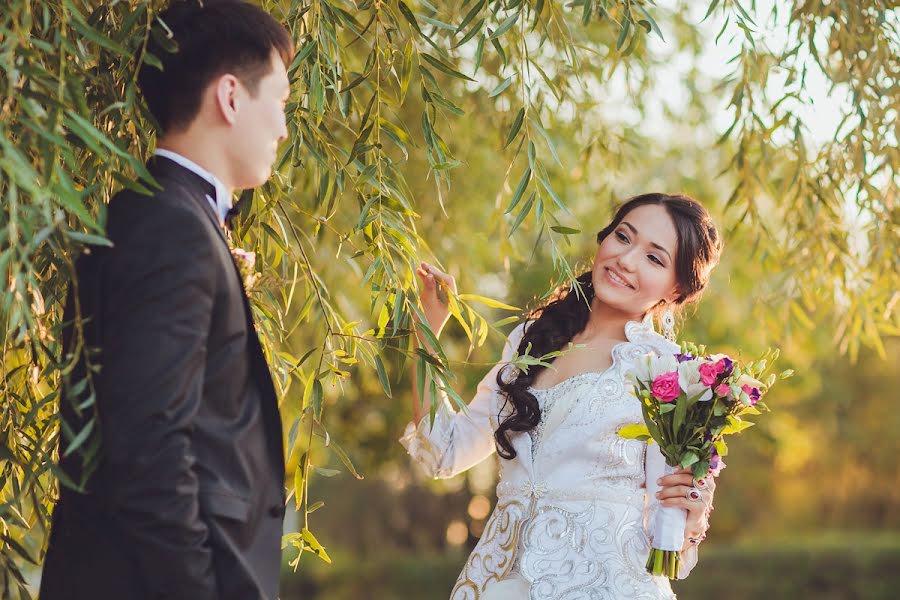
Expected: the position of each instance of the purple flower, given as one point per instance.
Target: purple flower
(716, 464)
(684, 357)
(752, 393)
(727, 366)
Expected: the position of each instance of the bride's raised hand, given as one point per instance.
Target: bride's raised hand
(433, 295)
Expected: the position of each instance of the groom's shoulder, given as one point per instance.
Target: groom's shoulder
(163, 205)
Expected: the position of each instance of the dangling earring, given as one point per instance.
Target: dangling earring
(668, 325)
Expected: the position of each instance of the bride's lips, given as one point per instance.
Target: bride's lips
(616, 278)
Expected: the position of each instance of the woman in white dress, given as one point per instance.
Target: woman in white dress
(574, 499)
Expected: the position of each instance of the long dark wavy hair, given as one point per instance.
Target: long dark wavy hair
(566, 313)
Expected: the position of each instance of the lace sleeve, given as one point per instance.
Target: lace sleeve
(457, 441)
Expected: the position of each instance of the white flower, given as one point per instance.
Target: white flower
(688, 373)
(689, 380)
(640, 371)
(698, 388)
(745, 379)
(662, 364)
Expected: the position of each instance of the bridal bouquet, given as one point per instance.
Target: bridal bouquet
(690, 401)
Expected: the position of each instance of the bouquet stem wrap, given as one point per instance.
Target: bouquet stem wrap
(668, 538)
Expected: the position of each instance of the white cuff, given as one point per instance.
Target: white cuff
(429, 444)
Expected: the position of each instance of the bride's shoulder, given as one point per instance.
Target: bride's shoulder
(642, 335)
(515, 337)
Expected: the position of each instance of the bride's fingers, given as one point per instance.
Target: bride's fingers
(695, 509)
(675, 491)
(431, 287)
(444, 278)
(676, 479)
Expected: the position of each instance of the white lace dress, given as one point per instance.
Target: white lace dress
(573, 507)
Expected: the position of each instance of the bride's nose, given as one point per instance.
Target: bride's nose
(626, 260)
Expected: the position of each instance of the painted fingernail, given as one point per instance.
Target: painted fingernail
(659, 481)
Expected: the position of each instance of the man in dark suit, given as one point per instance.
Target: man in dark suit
(187, 498)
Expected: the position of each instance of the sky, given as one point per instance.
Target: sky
(823, 107)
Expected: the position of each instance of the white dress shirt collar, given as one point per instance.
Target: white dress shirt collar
(222, 202)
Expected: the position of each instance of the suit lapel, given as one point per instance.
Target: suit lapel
(198, 188)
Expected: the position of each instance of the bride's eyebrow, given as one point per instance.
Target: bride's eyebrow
(654, 244)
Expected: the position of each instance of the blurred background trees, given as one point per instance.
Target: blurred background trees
(495, 138)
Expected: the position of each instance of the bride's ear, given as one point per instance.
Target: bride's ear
(672, 298)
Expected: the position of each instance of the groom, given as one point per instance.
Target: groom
(187, 499)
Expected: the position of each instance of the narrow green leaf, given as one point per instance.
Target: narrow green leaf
(313, 545)
(79, 439)
(689, 458)
(382, 376)
(437, 23)
(564, 230)
(409, 16)
(499, 89)
(486, 301)
(523, 213)
(471, 15)
(709, 11)
(505, 26)
(316, 398)
(344, 458)
(475, 30)
(536, 123)
(421, 374)
(298, 482)
(520, 189)
(444, 67)
(623, 33)
(516, 126)
(89, 239)
(653, 24)
(98, 38)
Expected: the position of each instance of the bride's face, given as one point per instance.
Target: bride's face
(634, 268)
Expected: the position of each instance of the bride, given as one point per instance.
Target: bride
(574, 499)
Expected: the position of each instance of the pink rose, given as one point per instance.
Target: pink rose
(665, 387)
(709, 372)
(723, 390)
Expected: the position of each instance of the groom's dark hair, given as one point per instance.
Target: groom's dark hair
(197, 41)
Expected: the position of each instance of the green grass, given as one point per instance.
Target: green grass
(833, 566)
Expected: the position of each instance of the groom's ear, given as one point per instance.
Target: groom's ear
(226, 97)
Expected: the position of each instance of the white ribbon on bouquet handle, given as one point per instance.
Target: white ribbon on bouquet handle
(667, 529)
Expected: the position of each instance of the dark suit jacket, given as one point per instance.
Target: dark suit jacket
(188, 497)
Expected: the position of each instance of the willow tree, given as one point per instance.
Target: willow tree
(378, 88)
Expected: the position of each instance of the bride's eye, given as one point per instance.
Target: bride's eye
(622, 237)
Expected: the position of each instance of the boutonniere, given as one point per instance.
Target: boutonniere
(245, 262)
